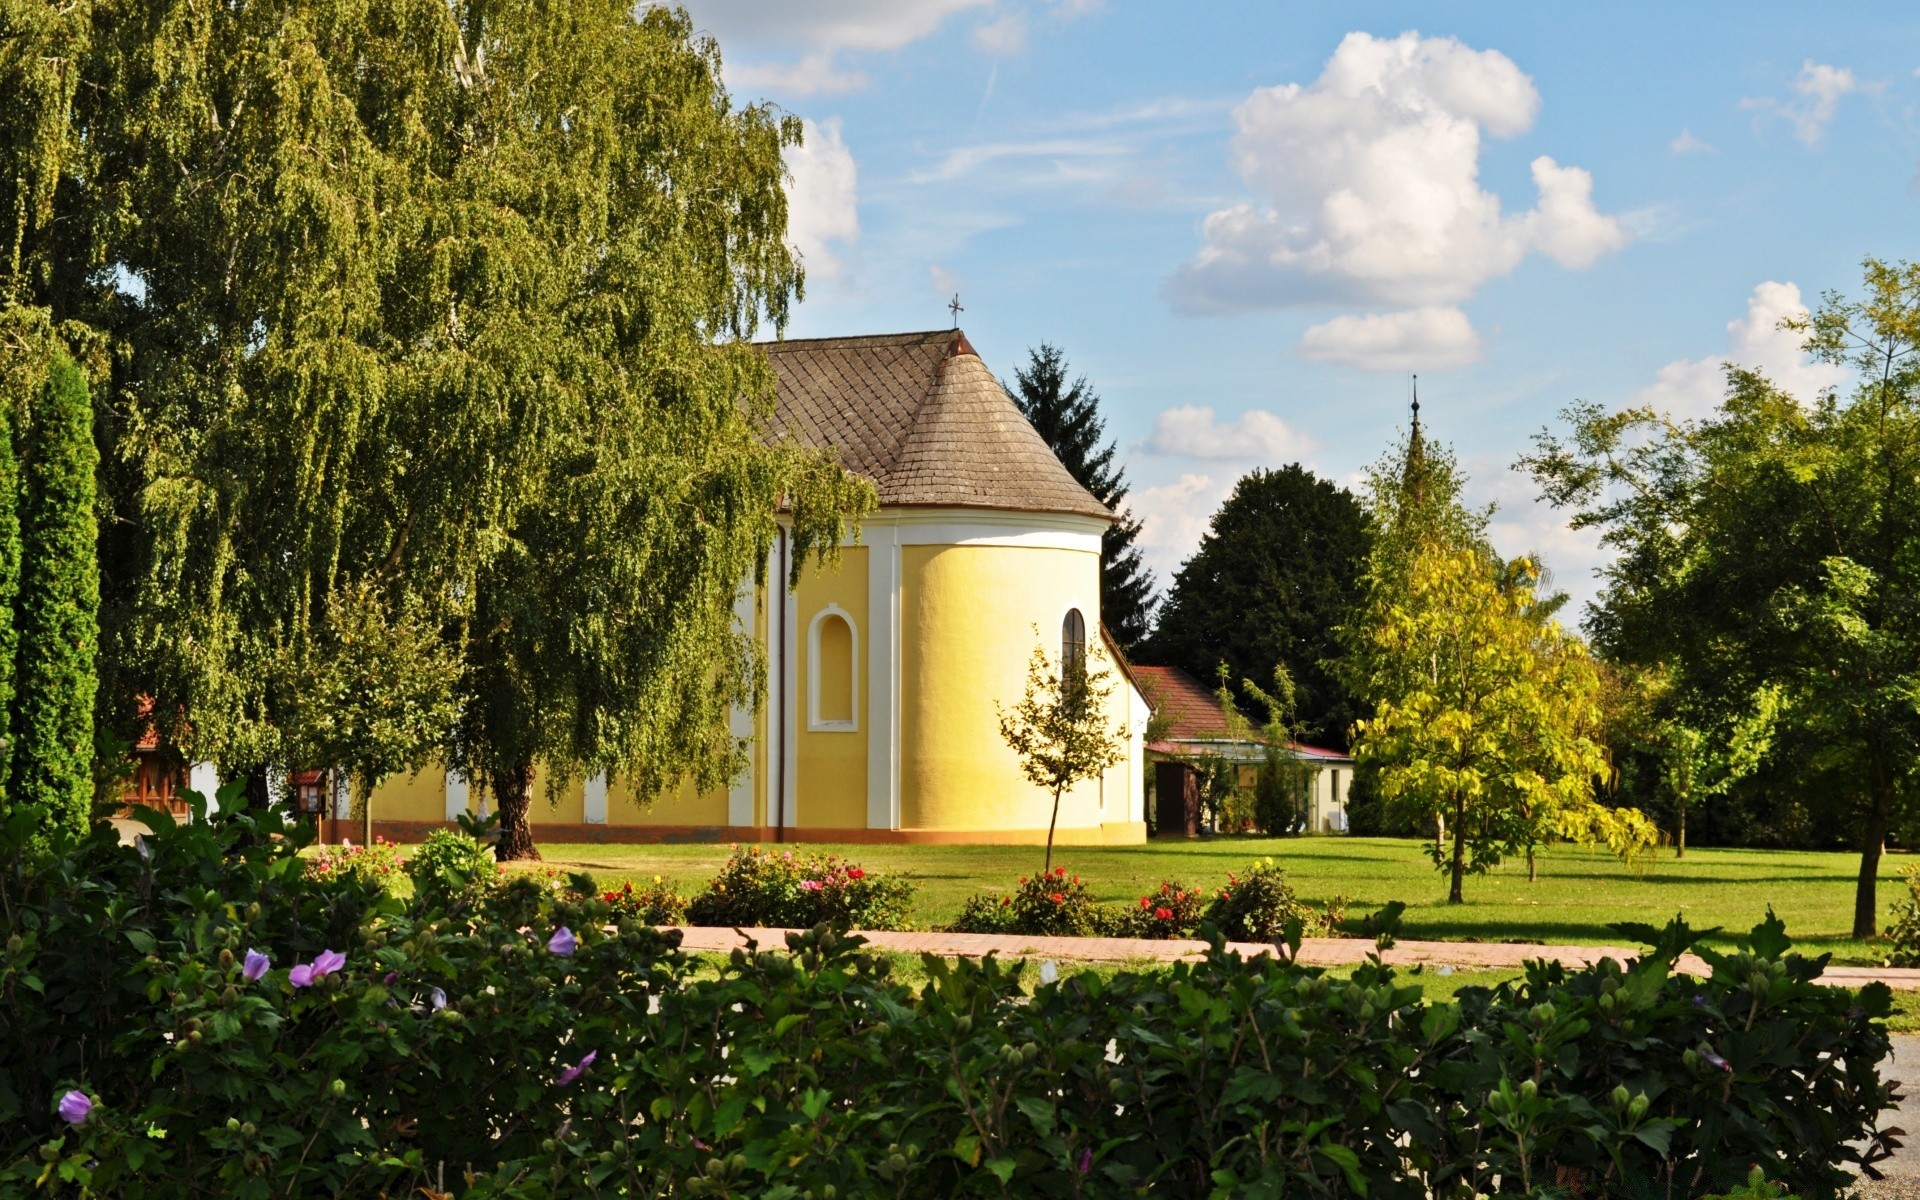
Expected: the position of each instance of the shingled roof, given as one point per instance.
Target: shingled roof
(921, 416)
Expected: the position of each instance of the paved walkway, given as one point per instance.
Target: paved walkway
(1324, 952)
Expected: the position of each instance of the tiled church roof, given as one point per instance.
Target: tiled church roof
(921, 416)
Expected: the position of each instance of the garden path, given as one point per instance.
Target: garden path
(1324, 952)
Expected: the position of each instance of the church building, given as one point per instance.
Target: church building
(886, 673)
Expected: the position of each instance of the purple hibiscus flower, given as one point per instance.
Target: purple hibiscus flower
(562, 942)
(75, 1106)
(576, 1070)
(254, 966)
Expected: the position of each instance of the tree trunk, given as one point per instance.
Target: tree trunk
(1051, 822)
(1454, 895)
(513, 796)
(1533, 867)
(1866, 906)
(1439, 833)
(1680, 829)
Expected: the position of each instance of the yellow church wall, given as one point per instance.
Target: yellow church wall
(831, 763)
(684, 806)
(421, 796)
(970, 619)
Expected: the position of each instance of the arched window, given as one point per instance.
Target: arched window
(833, 690)
(1073, 645)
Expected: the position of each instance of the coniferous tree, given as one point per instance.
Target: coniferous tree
(1278, 571)
(57, 607)
(1068, 417)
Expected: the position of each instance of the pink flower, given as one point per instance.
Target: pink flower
(810, 885)
(562, 942)
(325, 963)
(576, 1070)
(75, 1106)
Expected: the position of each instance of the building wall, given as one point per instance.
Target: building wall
(942, 609)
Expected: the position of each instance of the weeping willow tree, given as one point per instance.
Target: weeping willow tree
(426, 314)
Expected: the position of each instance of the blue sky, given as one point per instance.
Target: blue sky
(1247, 223)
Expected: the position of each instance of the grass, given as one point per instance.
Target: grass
(1580, 892)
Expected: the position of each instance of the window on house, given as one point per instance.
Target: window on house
(1073, 645)
(832, 691)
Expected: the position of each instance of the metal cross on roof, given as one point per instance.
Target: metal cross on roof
(956, 308)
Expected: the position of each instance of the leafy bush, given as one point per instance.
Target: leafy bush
(449, 866)
(379, 864)
(654, 904)
(781, 889)
(1257, 904)
(1054, 904)
(541, 1045)
(1903, 936)
(1172, 911)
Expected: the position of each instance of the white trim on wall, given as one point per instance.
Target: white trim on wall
(204, 777)
(593, 800)
(814, 722)
(982, 527)
(740, 721)
(883, 675)
(456, 795)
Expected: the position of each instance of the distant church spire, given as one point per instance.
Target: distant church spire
(1413, 475)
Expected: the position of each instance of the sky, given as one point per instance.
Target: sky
(1248, 224)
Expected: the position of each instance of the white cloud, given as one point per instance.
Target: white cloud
(1694, 387)
(1192, 431)
(1369, 186)
(823, 195)
(758, 36)
(1820, 88)
(1686, 143)
(817, 74)
(1174, 517)
(945, 282)
(1523, 523)
(1004, 35)
(1419, 339)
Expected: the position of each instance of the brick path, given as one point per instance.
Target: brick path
(1325, 952)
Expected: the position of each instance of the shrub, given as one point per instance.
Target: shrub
(379, 864)
(1257, 904)
(1054, 904)
(1172, 911)
(1903, 936)
(449, 866)
(532, 1048)
(781, 889)
(654, 904)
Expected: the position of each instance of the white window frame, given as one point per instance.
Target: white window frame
(814, 723)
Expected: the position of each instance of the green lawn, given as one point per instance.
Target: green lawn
(1580, 892)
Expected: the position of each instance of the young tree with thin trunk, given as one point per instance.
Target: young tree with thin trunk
(1059, 728)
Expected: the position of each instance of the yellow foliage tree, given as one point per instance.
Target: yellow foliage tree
(1486, 715)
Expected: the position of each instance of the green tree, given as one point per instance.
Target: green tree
(1059, 728)
(1769, 555)
(390, 292)
(57, 608)
(1068, 417)
(1279, 570)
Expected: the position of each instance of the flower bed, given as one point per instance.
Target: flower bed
(210, 1020)
(782, 889)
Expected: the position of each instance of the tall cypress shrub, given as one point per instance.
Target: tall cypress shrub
(56, 615)
(9, 588)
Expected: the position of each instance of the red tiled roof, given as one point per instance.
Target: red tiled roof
(1195, 714)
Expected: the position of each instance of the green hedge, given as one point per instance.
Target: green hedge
(512, 1059)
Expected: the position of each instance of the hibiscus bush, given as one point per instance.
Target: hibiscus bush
(449, 866)
(798, 890)
(200, 1017)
